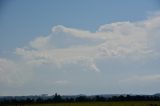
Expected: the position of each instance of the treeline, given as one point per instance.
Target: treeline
(60, 99)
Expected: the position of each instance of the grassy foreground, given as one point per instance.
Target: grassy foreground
(130, 103)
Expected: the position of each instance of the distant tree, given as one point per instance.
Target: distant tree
(14, 101)
(128, 98)
(69, 100)
(57, 98)
(29, 100)
(82, 99)
(49, 100)
(121, 98)
(39, 100)
(99, 98)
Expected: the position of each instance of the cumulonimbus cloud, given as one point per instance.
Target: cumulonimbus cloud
(119, 39)
(71, 46)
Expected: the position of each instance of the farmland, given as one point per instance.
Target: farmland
(124, 103)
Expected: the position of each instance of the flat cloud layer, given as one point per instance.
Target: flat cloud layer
(84, 49)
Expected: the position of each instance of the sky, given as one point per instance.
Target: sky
(79, 47)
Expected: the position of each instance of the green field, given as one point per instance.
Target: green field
(133, 103)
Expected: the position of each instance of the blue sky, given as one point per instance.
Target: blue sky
(26, 19)
(76, 47)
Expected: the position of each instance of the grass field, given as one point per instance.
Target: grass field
(133, 103)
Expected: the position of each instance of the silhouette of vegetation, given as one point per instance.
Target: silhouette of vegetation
(100, 98)
(56, 98)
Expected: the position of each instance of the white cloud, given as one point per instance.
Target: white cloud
(80, 55)
(13, 73)
(119, 39)
(6, 71)
(76, 32)
(40, 42)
